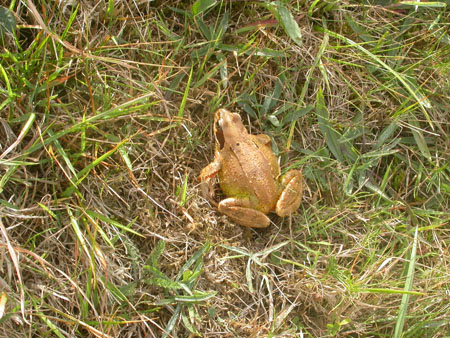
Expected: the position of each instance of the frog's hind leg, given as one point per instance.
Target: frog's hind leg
(291, 196)
(240, 211)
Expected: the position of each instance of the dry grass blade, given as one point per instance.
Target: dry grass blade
(22, 134)
(15, 261)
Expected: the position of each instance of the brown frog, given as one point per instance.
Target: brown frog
(249, 174)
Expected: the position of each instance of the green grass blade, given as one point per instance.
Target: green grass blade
(437, 4)
(403, 310)
(83, 173)
(79, 233)
(190, 318)
(112, 222)
(184, 189)
(115, 291)
(185, 95)
(240, 251)
(391, 291)
(311, 8)
(11, 94)
(64, 155)
(172, 321)
(53, 328)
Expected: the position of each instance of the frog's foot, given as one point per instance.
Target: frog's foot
(291, 196)
(211, 169)
(240, 211)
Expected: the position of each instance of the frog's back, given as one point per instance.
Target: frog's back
(232, 178)
(262, 141)
(249, 170)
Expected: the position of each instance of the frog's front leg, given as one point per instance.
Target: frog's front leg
(291, 195)
(240, 211)
(205, 178)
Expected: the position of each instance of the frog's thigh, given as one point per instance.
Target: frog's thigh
(240, 212)
(262, 138)
(291, 195)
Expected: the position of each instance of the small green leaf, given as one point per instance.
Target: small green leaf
(198, 296)
(212, 312)
(202, 5)
(195, 257)
(294, 115)
(220, 31)
(249, 277)
(273, 119)
(184, 191)
(188, 325)
(420, 139)
(206, 30)
(290, 25)
(272, 99)
(172, 321)
(223, 70)
(386, 134)
(331, 136)
(7, 21)
(165, 283)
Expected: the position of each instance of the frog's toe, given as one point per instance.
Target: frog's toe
(241, 213)
(292, 193)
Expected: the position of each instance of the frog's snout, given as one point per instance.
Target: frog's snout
(221, 121)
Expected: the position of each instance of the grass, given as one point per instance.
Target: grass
(106, 112)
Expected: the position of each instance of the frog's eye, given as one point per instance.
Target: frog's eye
(236, 118)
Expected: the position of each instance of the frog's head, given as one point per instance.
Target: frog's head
(228, 127)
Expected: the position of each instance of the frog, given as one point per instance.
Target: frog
(249, 175)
